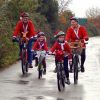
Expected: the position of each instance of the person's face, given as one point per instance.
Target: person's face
(41, 38)
(25, 19)
(74, 23)
(61, 38)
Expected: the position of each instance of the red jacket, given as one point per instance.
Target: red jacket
(60, 47)
(19, 29)
(71, 36)
(40, 46)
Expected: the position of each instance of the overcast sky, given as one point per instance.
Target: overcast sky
(79, 7)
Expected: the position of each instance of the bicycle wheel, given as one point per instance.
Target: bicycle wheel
(24, 62)
(60, 83)
(40, 71)
(75, 70)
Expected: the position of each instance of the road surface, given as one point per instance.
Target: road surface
(15, 86)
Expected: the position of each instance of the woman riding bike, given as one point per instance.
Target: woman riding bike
(77, 32)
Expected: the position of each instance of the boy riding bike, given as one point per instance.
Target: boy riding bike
(41, 45)
(25, 26)
(61, 47)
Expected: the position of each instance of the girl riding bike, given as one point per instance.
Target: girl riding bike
(41, 45)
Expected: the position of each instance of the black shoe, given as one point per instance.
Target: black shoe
(44, 72)
(36, 65)
(67, 81)
(55, 70)
(71, 71)
(30, 66)
(82, 69)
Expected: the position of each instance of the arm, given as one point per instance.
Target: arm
(32, 29)
(17, 29)
(85, 34)
(68, 35)
(68, 49)
(46, 47)
(35, 46)
(53, 47)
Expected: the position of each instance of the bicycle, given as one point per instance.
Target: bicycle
(76, 51)
(60, 73)
(23, 41)
(41, 56)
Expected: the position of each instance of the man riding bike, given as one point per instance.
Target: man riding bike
(25, 26)
(77, 32)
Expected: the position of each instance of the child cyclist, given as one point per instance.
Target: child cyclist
(41, 44)
(62, 46)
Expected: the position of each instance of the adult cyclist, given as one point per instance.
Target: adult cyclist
(25, 25)
(77, 32)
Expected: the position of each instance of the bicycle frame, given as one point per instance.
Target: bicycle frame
(23, 41)
(40, 55)
(76, 51)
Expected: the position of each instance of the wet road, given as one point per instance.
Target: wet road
(15, 86)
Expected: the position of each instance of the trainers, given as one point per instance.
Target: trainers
(44, 71)
(82, 69)
(30, 66)
(67, 81)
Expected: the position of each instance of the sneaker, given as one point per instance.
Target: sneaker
(82, 69)
(30, 66)
(67, 81)
(44, 72)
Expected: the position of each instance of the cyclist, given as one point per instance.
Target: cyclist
(77, 32)
(25, 25)
(61, 45)
(41, 44)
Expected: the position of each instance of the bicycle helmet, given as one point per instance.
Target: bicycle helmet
(24, 14)
(60, 33)
(41, 34)
(74, 18)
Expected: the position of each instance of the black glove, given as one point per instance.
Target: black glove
(14, 39)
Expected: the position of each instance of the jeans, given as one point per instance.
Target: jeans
(29, 48)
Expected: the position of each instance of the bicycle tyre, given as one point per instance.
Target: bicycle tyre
(75, 70)
(23, 62)
(60, 83)
(39, 72)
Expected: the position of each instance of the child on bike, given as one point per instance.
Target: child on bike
(63, 47)
(41, 44)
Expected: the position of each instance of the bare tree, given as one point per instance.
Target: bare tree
(63, 5)
(93, 12)
(93, 15)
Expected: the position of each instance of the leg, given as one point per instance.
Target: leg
(44, 66)
(83, 57)
(66, 67)
(55, 70)
(20, 50)
(36, 61)
(30, 54)
(66, 70)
